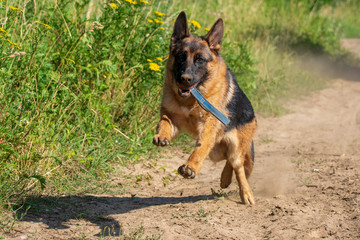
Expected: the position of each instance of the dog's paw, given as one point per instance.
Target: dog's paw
(186, 171)
(159, 141)
(225, 182)
(247, 197)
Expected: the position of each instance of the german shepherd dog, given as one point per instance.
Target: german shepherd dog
(195, 61)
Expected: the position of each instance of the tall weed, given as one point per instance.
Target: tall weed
(76, 91)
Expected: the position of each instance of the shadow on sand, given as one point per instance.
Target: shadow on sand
(55, 212)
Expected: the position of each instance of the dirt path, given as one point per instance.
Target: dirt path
(305, 181)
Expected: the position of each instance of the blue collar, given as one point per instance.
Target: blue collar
(208, 107)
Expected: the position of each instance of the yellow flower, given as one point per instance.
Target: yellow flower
(159, 58)
(13, 44)
(149, 60)
(162, 28)
(150, 21)
(2, 30)
(15, 9)
(132, 2)
(70, 60)
(113, 6)
(106, 75)
(195, 23)
(207, 29)
(158, 21)
(154, 67)
(143, 1)
(159, 14)
(46, 26)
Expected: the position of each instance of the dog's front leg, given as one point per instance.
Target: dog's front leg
(166, 131)
(204, 144)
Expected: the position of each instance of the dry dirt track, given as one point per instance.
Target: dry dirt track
(305, 181)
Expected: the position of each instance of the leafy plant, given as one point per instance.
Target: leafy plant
(77, 91)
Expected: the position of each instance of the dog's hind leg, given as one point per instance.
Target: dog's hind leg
(239, 154)
(236, 160)
(226, 175)
(246, 194)
(218, 153)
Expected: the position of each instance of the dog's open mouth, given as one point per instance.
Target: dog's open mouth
(184, 92)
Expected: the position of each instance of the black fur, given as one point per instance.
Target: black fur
(240, 109)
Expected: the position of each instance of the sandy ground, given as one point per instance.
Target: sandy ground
(305, 182)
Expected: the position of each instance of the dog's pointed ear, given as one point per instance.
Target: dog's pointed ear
(181, 29)
(215, 35)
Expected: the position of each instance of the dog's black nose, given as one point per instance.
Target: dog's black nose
(186, 78)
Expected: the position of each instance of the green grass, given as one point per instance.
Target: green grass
(80, 81)
(137, 234)
(76, 93)
(347, 13)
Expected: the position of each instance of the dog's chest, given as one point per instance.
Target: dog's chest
(193, 112)
(188, 117)
(184, 111)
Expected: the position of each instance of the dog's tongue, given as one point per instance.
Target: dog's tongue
(190, 86)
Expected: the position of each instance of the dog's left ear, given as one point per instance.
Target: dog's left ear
(181, 29)
(215, 35)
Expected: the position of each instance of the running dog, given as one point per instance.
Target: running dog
(195, 61)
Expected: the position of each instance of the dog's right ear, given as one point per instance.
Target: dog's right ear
(215, 35)
(181, 29)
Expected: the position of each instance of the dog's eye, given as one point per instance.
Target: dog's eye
(199, 59)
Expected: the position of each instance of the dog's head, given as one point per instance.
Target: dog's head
(191, 57)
